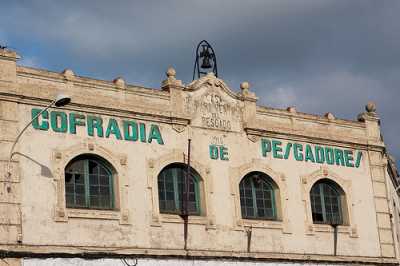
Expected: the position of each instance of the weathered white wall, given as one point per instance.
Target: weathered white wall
(138, 226)
(155, 262)
(291, 235)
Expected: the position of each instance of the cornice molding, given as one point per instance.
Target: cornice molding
(353, 143)
(153, 116)
(59, 251)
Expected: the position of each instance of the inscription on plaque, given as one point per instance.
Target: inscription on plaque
(215, 122)
(214, 111)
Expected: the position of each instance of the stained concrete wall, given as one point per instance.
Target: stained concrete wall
(208, 112)
(155, 262)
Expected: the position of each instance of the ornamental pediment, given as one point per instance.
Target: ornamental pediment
(210, 103)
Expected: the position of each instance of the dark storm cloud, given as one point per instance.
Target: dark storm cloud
(319, 55)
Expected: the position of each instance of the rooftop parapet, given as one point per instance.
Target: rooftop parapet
(174, 90)
(8, 60)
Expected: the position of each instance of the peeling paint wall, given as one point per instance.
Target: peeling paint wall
(32, 200)
(154, 262)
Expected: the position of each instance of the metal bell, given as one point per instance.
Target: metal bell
(205, 54)
(206, 63)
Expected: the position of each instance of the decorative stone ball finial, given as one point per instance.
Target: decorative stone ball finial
(370, 107)
(119, 82)
(68, 73)
(171, 73)
(291, 109)
(330, 116)
(171, 80)
(245, 86)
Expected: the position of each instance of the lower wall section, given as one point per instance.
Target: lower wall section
(10, 262)
(156, 262)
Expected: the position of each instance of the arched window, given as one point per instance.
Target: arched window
(89, 183)
(257, 197)
(327, 202)
(171, 182)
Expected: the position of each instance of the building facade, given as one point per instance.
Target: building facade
(103, 178)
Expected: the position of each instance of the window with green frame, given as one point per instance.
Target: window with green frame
(257, 197)
(171, 182)
(327, 202)
(89, 183)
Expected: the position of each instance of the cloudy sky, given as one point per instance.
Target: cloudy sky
(318, 55)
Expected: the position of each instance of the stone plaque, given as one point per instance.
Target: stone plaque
(213, 105)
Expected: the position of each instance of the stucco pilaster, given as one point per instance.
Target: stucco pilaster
(378, 169)
(175, 89)
(250, 104)
(378, 164)
(10, 187)
(8, 70)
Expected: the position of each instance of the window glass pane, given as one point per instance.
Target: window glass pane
(104, 190)
(103, 171)
(161, 195)
(241, 191)
(94, 179)
(259, 193)
(68, 178)
(79, 179)
(93, 168)
(69, 188)
(317, 217)
(325, 203)
(171, 184)
(249, 202)
(70, 200)
(179, 191)
(78, 183)
(80, 200)
(192, 207)
(265, 200)
(76, 167)
(260, 203)
(170, 205)
(162, 205)
(80, 189)
(104, 180)
(94, 201)
(161, 191)
(250, 212)
(257, 197)
(104, 202)
(170, 196)
(94, 191)
(192, 197)
(191, 185)
(166, 187)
